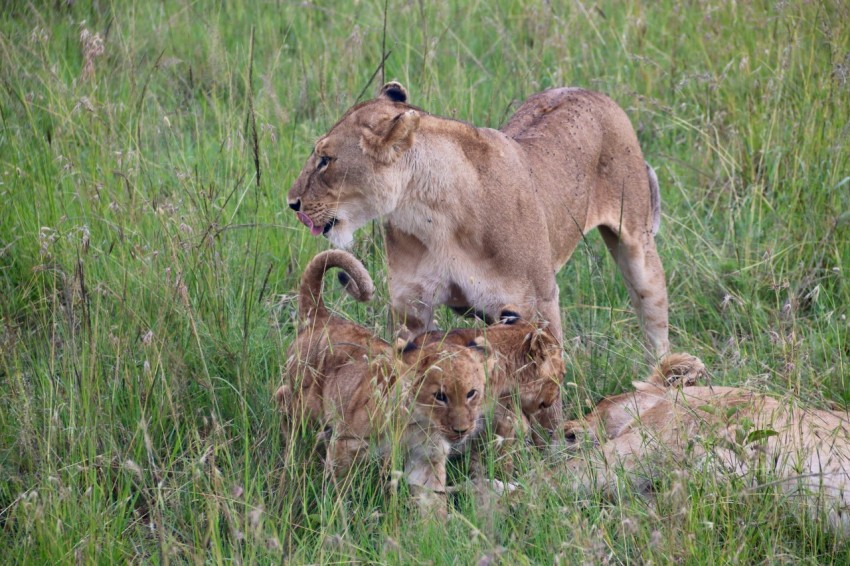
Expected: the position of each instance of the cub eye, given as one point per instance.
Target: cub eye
(472, 394)
(441, 397)
(544, 405)
(323, 161)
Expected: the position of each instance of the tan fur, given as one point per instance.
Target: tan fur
(523, 388)
(647, 431)
(346, 381)
(479, 218)
(528, 365)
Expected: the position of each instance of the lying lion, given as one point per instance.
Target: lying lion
(478, 218)
(667, 421)
(353, 388)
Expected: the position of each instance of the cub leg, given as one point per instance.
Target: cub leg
(641, 268)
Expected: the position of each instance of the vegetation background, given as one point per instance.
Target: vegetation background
(148, 265)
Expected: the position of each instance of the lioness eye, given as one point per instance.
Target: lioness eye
(472, 394)
(323, 161)
(441, 397)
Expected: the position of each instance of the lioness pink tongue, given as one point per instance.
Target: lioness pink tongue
(308, 222)
(305, 220)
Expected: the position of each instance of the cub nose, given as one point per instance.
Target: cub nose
(460, 430)
(296, 206)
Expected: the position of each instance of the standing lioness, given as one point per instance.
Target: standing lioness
(479, 218)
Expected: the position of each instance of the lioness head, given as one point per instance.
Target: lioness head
(349, 178)
(449, 389)
(613, 415)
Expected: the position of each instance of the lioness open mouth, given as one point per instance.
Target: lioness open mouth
(314, 229)
(329, 225)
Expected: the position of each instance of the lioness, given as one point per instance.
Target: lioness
(478, 218)
(353, 386)
(646, 431)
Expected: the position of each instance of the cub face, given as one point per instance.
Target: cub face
(450, 392)
(541, 394)
(544, 390)
(348, 179)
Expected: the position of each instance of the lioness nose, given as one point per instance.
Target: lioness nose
(296, 206)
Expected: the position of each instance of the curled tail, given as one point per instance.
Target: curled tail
(654, 198)
(355, 278)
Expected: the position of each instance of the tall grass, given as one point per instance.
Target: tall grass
(148, 273)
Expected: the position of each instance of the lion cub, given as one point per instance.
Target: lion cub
(362, 394)
(528, 368)
(669, 420)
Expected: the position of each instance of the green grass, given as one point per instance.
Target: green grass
(148, 274)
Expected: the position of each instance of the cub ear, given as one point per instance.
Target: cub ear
(482, 346)
(387, 142)
(394, 91)
(536, 342)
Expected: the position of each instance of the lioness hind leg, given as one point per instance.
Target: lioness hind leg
(641, 268)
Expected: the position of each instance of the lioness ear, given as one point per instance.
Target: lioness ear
(388, 142)
(394, 91)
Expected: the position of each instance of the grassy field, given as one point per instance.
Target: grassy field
(148, 264)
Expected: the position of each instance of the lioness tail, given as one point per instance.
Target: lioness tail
(357, 282)
(654, 198)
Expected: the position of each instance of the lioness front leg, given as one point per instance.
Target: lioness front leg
(413, 300)
(412, 316)
(550, 311)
